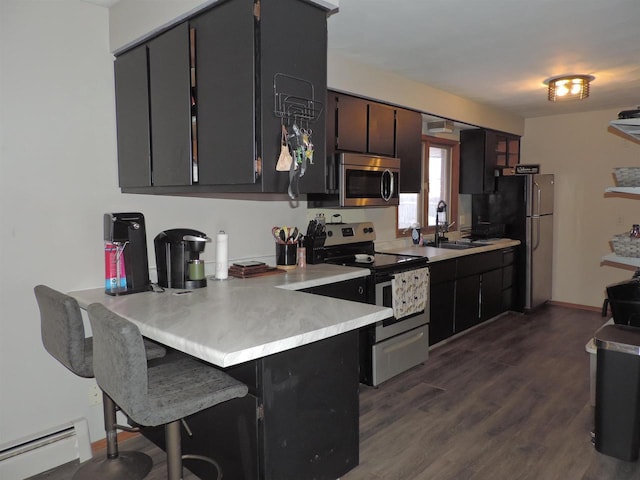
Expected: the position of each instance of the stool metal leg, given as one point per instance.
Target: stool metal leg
(174, 450)
(117, 465)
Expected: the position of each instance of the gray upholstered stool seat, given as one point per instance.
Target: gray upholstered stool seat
(63, 336)
(155, 395)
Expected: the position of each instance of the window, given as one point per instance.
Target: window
(440, 160)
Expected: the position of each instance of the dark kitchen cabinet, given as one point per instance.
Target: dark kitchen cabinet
(409, 149)
(355, 289)
(481, 153)
(350, 124)
(381, 138)
(491, 294)
(299, 420)
(441, 300)
(364, 126)
(469, 290)
(199, 113)
(356, 124)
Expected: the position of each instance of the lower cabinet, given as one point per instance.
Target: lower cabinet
(299, 421)
(469, 290)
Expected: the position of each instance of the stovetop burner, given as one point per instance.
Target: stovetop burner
(352, 244)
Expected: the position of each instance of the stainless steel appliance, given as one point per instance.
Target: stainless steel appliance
(398, 343)
(363, 181)
(178, 258)
(524, 204)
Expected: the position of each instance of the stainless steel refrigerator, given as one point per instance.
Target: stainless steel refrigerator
(524, 203)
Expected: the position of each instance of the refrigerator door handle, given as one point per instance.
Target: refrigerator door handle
(539, 195)
(536, 243)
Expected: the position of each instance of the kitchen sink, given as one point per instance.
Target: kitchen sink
(455, 245)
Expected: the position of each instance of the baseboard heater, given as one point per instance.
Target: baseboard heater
(26, 457)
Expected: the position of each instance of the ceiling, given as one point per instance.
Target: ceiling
(499, 52)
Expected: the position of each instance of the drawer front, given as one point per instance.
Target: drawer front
(400, 353)
(479, 262)
(508, 256)
(440, 272)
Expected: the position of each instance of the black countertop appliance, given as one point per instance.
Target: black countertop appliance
(126, 262)
(178, 258)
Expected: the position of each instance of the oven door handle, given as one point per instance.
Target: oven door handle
(398, 346)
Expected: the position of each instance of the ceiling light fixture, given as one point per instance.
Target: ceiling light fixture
(566, 87)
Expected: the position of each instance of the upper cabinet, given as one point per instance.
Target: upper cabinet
(197, 112)
(481, 153)
(356, 124)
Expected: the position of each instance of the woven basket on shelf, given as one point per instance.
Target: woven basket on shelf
(627, 176)
(626, 246)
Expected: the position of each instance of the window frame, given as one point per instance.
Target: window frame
(454, 184)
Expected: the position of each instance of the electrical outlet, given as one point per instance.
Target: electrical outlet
(620, 220)
(95, 395)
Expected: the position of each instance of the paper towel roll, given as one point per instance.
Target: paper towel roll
(222, 262)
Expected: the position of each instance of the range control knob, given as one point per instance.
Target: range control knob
(330, 233)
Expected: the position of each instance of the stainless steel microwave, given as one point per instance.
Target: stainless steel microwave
(368, 181)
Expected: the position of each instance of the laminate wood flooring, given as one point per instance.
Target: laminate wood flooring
(508, 400)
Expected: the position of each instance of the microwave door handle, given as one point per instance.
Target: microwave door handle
(388, 173)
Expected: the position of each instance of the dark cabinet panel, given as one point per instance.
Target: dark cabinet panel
(491, 294)
(441, 311)
(481, 152)
(132, 117)
(441, 300)
(351, 124)
(467, 302)
(225, 127)
(236, 117)
(409, 149)
(355, 289)
(381, 130)
(170, 99)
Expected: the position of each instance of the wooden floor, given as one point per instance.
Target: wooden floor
(509, 400)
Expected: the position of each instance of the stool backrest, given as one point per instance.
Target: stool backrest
(119, 358)
(62, 330)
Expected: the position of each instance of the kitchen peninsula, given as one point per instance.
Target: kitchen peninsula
(297, 352)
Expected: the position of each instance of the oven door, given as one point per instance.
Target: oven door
(395, 326)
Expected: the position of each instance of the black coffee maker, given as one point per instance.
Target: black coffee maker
(178, 258)
(126, 262)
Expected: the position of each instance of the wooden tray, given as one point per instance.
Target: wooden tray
(254, 271)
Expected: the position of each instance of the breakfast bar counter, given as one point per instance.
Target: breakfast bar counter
(236, 320)
(297, 352)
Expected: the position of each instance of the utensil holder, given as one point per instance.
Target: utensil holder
(286, 255)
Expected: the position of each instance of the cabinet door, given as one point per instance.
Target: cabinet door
(441, 311)
(409, 149)
(225, 94)
(472, 153)
(381, 130)
(491, 296)
(467, 313)
(293, 41)
(132, 116)
(170, 98)
(351, 124)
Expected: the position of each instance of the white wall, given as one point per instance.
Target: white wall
(58, 176)
(581, 151)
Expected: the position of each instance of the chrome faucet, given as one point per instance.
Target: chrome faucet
(442, 225)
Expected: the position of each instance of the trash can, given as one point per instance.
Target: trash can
(624, 299)
(617, 416)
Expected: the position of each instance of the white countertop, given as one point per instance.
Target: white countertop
(237, 320)
(438, 254)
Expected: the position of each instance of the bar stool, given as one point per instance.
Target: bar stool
(63, 336)
(163, 394)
